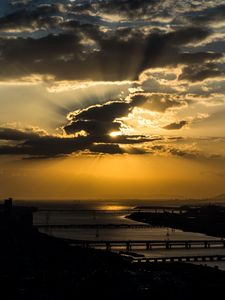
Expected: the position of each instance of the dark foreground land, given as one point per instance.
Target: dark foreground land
(37, 267)
(207, 219)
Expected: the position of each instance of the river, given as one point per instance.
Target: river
(113, 213)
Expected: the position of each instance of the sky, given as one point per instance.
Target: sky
(107, 99)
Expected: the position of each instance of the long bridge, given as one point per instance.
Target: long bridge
(150, 208)
(194, 258)
(148, 244)
(96, 226)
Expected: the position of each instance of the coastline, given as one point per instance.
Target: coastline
(209, 220)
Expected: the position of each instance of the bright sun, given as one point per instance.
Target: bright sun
(115, 133)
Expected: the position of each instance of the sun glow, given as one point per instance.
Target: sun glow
(113, 207)
(115, 133)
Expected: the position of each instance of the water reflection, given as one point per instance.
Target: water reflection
(98, 217)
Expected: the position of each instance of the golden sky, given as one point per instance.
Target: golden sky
(108, 100)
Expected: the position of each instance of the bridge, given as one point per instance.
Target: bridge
(160, 209)
(96, 226)
(149, 208)
(195, 258)
(88, 211)
(148, 244)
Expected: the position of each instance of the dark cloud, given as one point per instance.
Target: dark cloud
(128, 9)
(100, 119)
(73, 40)
(44, 16)
(75, 46)
(35, 51)
(37, 144)
(159, 102)
(88, 53)
(105, 112)
(165, 49)
(18, 135)
(106, 148)
(181, 152)
(92, 127)
(88, 129)
(158, 148)
(199, 73)
(196, 58)
(210, 15)
(176, 126)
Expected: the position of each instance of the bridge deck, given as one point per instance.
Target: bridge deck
(194, 258)
(111, 211)
(94, 226)
(216, 241)
(149, 244)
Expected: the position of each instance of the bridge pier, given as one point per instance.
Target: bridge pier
(168, 245)
(207, 245)
(181, 259)
(187, 245)
(203, 259)
(108, 246)
(187, 259)
(85, 245)
(128, 246)
(195, 258)
(148, 246)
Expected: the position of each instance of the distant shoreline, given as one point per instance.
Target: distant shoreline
(74, 203)
(211, 225)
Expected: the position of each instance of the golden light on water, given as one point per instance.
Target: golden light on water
(114, 207)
